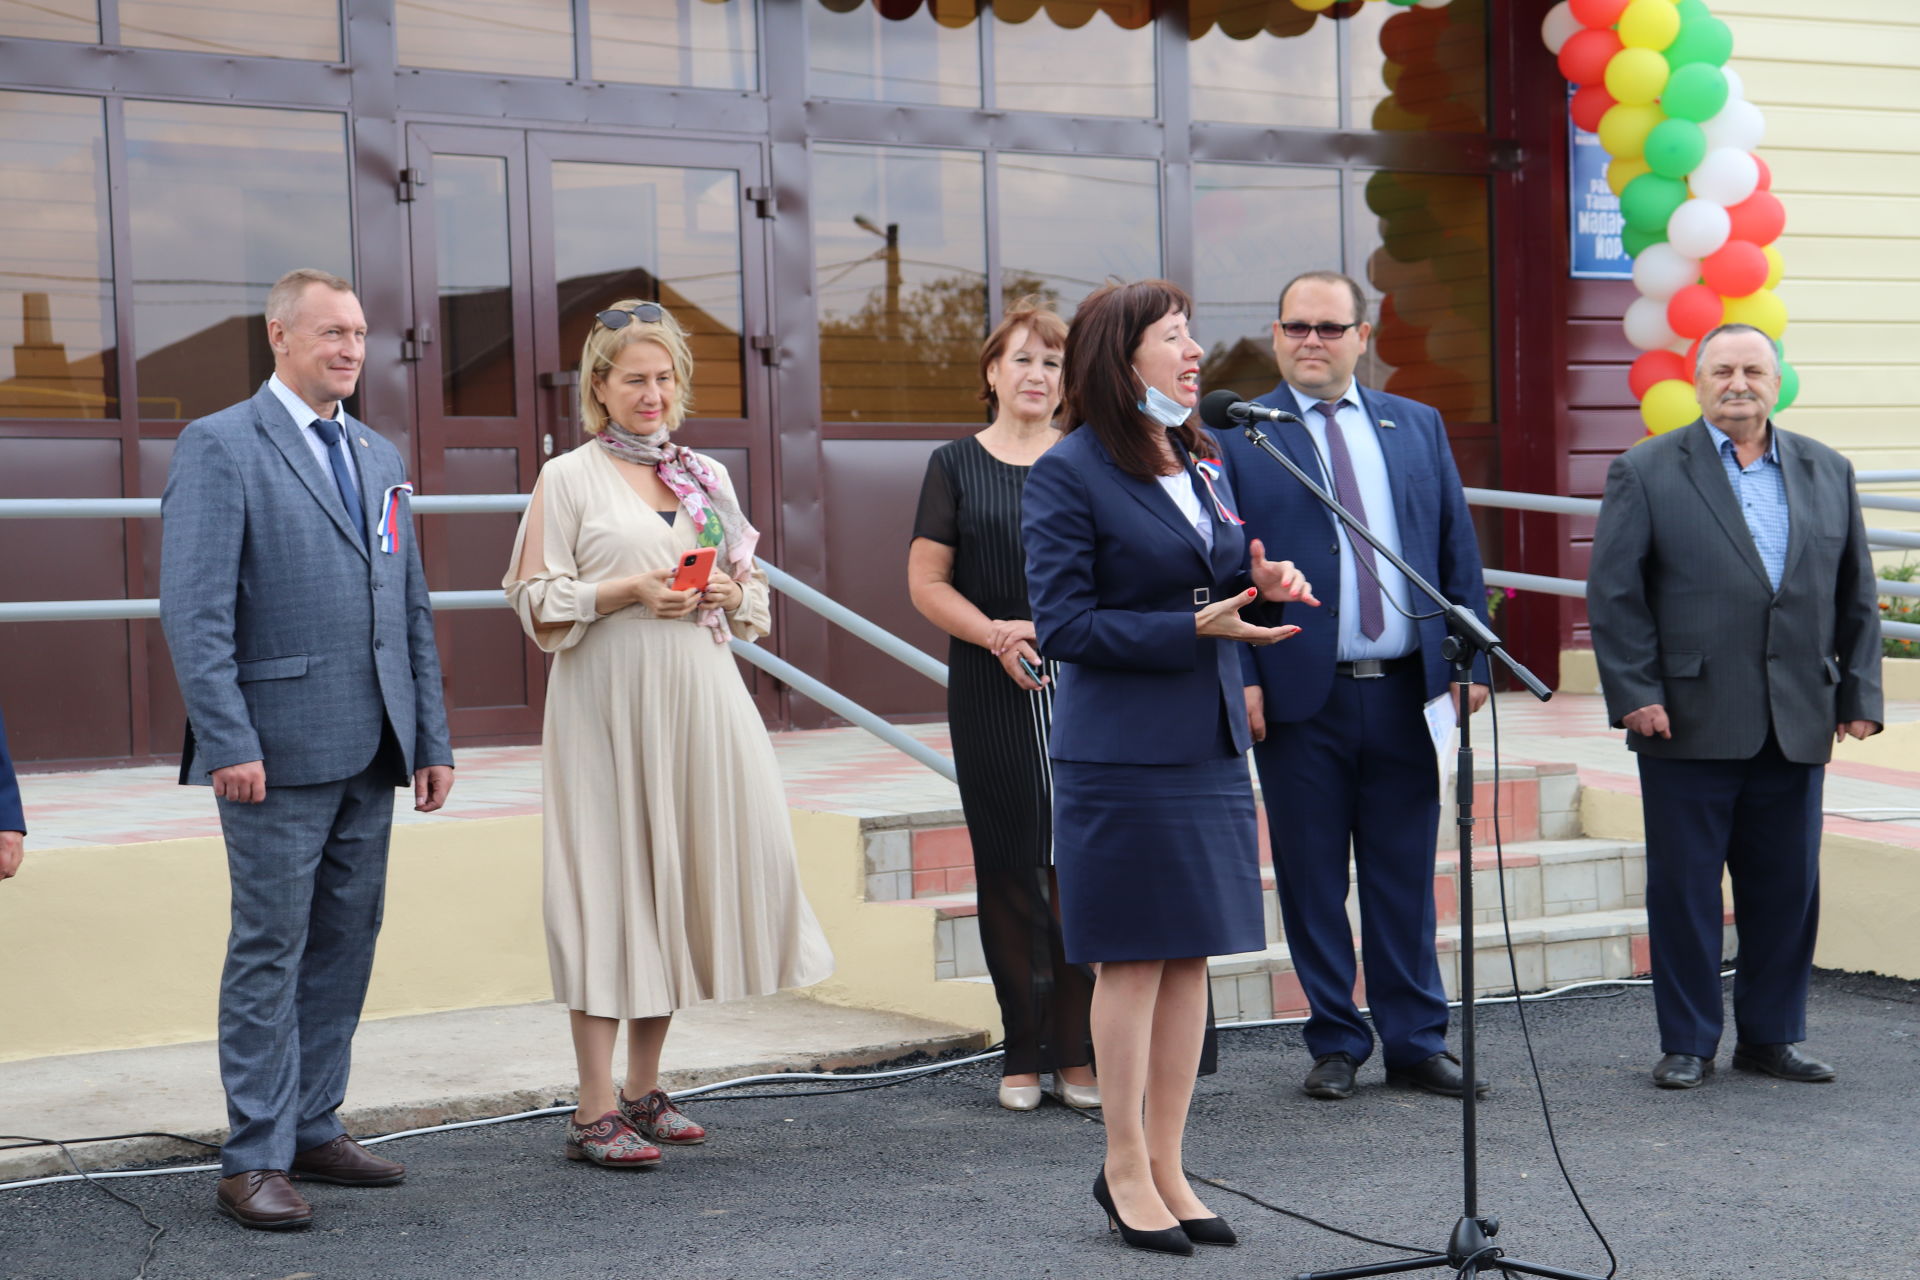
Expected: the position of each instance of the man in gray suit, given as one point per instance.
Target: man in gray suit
(303, 643)
(1737, 632)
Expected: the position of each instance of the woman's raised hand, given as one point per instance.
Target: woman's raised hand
(662, 601)
(1278, 579)
(1222, 619)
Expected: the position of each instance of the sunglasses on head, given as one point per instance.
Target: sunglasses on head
(1327, 329)
(645, 313)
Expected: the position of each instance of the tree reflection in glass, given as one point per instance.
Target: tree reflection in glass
(900, 269)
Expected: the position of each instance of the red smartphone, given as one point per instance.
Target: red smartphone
(694, 569)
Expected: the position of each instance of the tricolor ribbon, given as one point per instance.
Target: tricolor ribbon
(1209, 470)
(389, 526)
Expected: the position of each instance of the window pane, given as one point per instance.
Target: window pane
(51, 19)
(56, 260)
(242, 28)
(512, 37)
(1265, 62)
(1089, 57)
(670, 236)
(929, 56)
(900, 270)
(474, 261)
(1420, 70)
(1049, 243)
(222, 201)
(1255, 228)
(1423, 239)
(702, 44)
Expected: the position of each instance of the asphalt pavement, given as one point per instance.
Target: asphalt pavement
(1747, 1176)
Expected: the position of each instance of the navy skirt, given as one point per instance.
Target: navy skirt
(1156, 862)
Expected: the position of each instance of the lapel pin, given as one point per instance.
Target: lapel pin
(365, 445)
(1388, 423)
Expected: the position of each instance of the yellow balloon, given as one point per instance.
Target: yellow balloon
(1637, 76)
(1668, 406)
(1624, 129)
(1763, 310)
(1314, 6)
(1649, 24)
(1625, 170)
(1776, 266)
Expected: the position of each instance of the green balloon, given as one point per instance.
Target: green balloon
(1650, 199)
(1789, 387)
(1636, 242)
(1705, 39)
(1691, 10)
(1675, 148)
(1695, 91)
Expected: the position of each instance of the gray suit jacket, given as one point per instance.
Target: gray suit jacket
(295, 642)
(1683, 614)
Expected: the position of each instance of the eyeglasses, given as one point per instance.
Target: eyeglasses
(1327, 329)
(644, 312)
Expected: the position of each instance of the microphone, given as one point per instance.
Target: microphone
(1223, 409)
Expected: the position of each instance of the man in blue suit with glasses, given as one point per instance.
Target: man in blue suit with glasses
(1344, 753)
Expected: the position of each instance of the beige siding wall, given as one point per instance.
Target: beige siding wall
(1840, 85)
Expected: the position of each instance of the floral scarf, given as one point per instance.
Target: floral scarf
(715, 512)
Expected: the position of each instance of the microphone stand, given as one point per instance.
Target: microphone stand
(1470, 1250)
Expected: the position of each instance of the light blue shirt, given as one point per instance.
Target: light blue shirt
(1761, 491)
(1398, 637)
(303, 417)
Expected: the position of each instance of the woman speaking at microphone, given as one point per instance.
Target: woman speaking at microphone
(1137, 571)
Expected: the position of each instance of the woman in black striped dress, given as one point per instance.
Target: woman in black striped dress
(967, 573)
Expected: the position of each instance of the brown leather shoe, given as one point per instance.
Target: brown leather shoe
(346, 1163)
(264, 1200)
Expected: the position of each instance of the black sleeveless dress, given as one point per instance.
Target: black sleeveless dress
(970, 502)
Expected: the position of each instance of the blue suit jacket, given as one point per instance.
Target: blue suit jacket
(11, 817)
(294, 643)
(1112, 568)
(1436, 539)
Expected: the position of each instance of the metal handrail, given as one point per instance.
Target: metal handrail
(1555, 504)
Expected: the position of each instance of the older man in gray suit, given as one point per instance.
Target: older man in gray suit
(303, 642)
(1738, 637)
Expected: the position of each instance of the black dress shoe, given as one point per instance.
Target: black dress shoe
(1209, 1231)
(1166, 1240)
(1331, 1077)
(1782, 1060)
(1682, 1071)
(1439, 1074)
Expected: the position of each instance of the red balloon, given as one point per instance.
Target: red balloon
(1589, 104)
(1694, 310)
(1766, 175)
(1585, 55)
(1657, 366)
(1597, 13)
(1760, 218)
(1736, 270)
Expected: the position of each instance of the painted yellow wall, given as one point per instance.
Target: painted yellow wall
(1840, 87)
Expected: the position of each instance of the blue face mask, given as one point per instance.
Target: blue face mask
(1161, 407)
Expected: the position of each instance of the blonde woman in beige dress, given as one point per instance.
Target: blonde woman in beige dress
(670, 872)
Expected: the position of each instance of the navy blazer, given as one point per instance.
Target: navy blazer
(11, 816)
(1112, 571)
(1436, 539)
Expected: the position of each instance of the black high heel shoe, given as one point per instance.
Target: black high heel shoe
(1171, 1240)
(1209, 1231)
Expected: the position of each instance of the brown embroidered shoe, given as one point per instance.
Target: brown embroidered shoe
(657, 1117)
(612, 1142)
(346, 1163)
(264, 1200)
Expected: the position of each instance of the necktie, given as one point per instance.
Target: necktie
(1373, 618)
(329, 433)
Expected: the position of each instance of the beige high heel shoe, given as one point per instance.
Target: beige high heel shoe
(1020, 1097)
(1081, 1097)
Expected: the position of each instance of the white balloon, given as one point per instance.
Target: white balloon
(1739, 125)
(1646, 324)
(1698, 228)
(1662, 271)
(1560, 26)
(1727, 176)
(1434, 4)
(1736, 87)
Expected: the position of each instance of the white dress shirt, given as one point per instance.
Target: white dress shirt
(1179, 487)
(304, 417)
(1398, 637)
